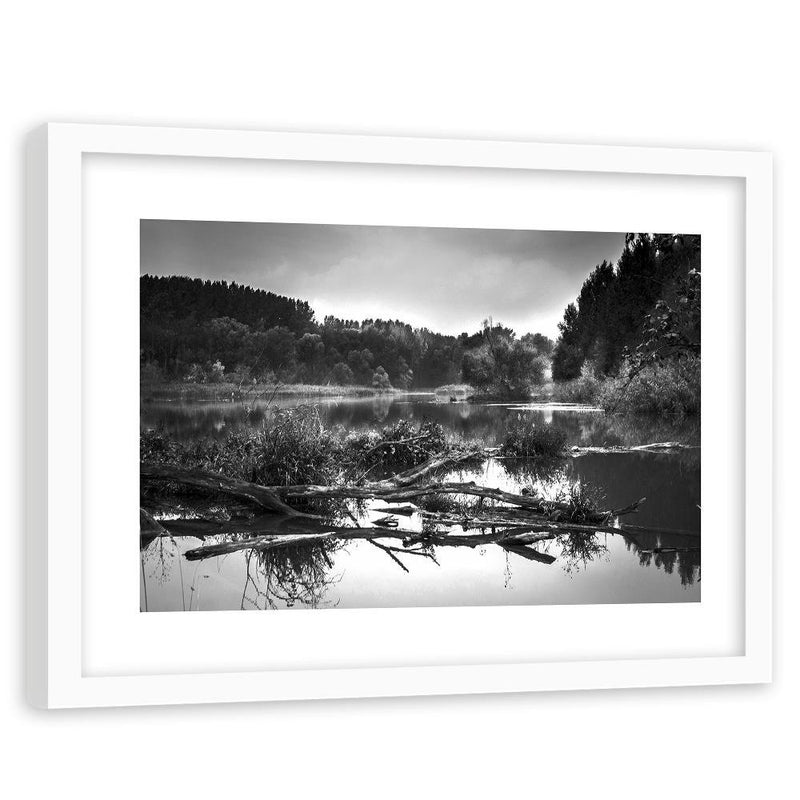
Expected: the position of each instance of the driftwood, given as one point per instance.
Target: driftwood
(517, 525)
(393, 443)
(399, 488)
(529, 553)
(513, 539)
(149, 525)
(272, 526)
(386, 491)
(270, 532)
(654, 447)
(433, 464)
(213, 482)
(408, 538)
(405, 510)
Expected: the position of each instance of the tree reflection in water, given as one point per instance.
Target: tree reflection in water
(288, 575)
(158, 557)
(660, 549)
(578, 551)
(303, 576)
(686, 559)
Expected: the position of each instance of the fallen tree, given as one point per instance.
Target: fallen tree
(516, 522)
(214, 483)
(513, 538)
(399, 488)
(271, 531)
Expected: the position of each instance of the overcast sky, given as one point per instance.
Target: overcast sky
(445, 279)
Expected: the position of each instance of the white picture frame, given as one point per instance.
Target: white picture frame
(57, 426)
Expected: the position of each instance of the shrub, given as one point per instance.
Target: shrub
(215, 372)
(294, 449)
(667, 388)
(398, 446)
(524, 439)
(584, 389)
(380, 380)
(504, 367)
(194, 374)
(582, 500)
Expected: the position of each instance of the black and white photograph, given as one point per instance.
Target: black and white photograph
(441, 358)
(345, 416)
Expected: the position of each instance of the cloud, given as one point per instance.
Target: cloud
(446, 279)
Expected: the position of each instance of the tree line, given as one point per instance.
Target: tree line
(643, 311)
(209, 331)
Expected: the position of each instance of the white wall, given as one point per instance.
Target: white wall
(673, 73)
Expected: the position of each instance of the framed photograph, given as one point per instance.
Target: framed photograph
(393, 416)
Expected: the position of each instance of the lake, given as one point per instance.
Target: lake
(661, 565)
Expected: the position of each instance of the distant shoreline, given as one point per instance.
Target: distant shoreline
(222, 392)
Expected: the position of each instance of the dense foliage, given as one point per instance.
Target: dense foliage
(583, 389)
(209, 332)
(297, 448)
(503, 366)
(525, 439)
(632, 325)
(666, 387)
(637, 328)
(651, 297)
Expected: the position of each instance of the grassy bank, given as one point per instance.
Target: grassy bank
(667, 388)
(222, 392)
(457, 391)
(297, 448)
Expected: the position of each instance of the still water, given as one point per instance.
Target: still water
(660, 565)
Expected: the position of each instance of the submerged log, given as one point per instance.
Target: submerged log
(267, 543)
(522, 520)
(405, 510)
(273, 537)
(408, 538)
(272, 526)
(384, 491)
(149, 525)
(212, 482)
(529, 553)
(272, 534)
(437, 462)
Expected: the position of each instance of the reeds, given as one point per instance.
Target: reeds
(525, 439)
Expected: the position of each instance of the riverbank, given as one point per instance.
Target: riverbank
(227, 392)
(297, 446)
(667, 388)
(416, 490)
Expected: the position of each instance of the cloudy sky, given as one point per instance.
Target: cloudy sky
(446, 279)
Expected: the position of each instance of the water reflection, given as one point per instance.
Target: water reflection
(189, 420)
(287, 576)
(658, 561)
(569, 567)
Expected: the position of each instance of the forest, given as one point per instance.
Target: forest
(210, 331)
(648, 303)
(632, 336)
(297, 491)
